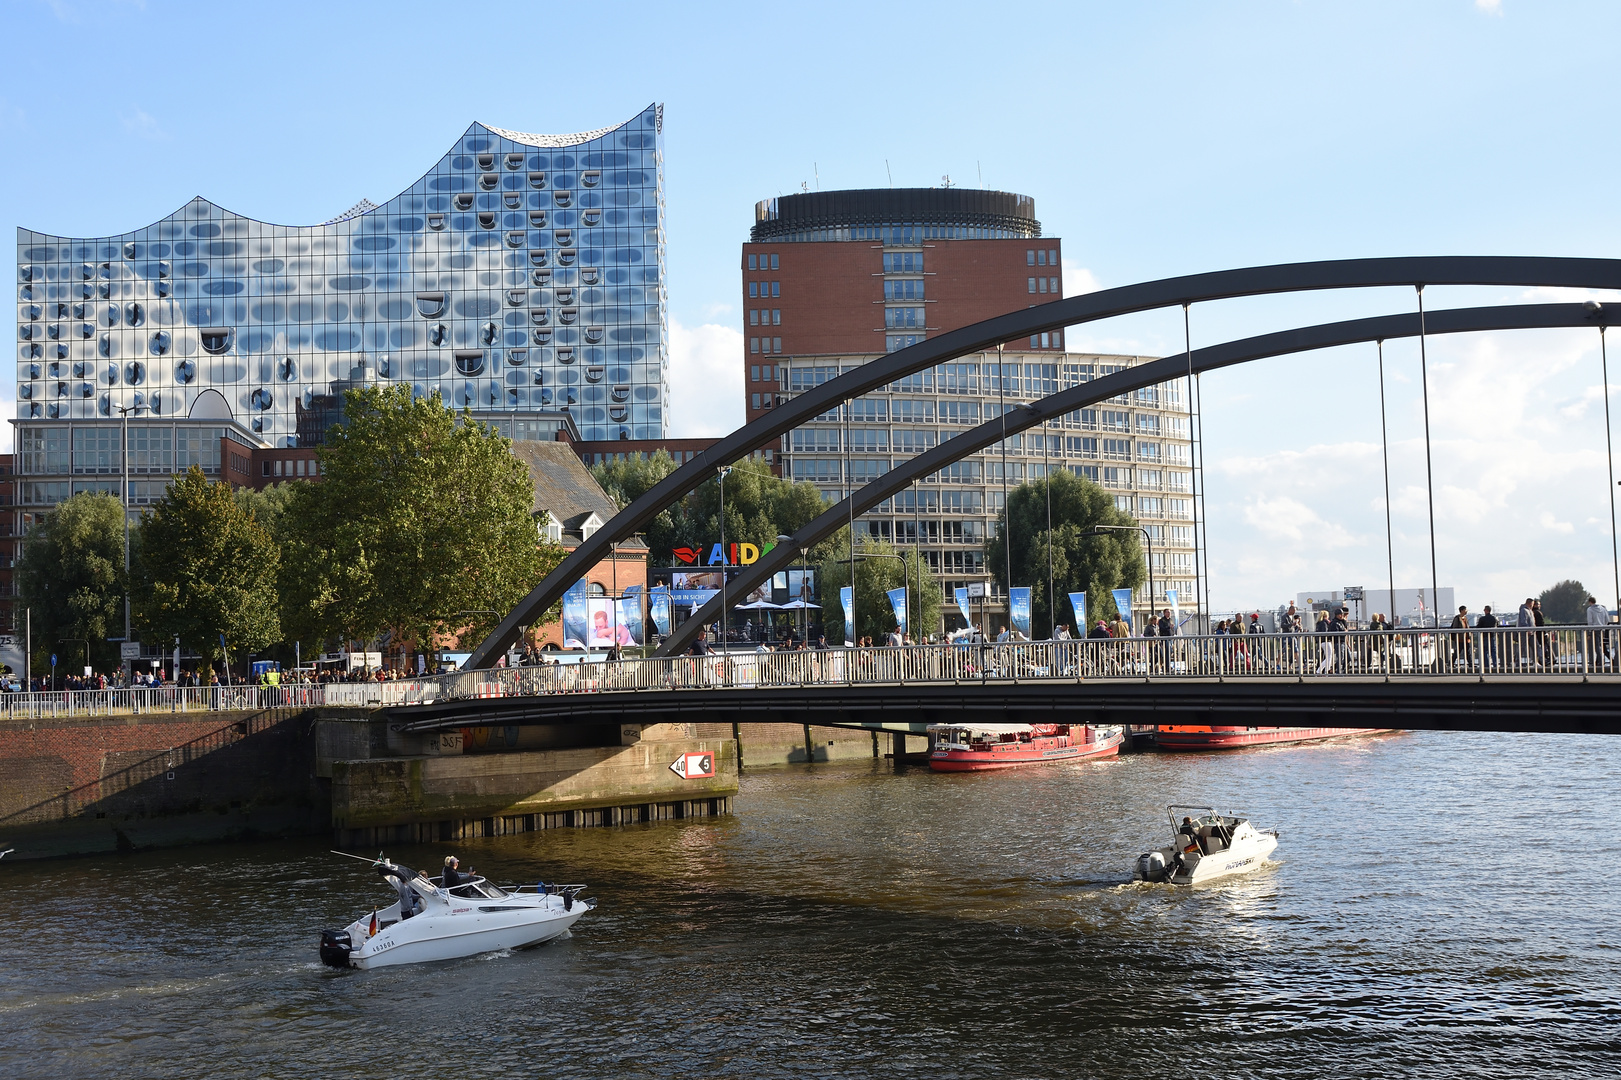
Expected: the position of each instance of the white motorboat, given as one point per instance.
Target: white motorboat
(1204, 846)
(428, 922)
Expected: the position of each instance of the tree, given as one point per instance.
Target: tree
(1081, 563)
(760, 506)
(421, 526)
(206, 571)
(875, 576)
(71, 574)
(1565, 602)
(269, 504)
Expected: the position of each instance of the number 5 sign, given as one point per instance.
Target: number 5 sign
(694, 766)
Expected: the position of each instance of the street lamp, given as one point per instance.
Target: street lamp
(724, 471)
(1098, 530)
(804, 612)
(905, 582)
(123, 412)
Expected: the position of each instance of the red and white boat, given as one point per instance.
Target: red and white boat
(1233, 738)
(977, 747)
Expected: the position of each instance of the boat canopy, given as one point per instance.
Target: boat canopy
(985, 729)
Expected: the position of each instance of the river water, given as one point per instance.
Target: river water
(1439, 904)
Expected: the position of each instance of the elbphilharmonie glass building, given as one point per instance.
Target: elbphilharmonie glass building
(522, 276)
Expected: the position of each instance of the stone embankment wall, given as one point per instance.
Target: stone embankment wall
(87, 785)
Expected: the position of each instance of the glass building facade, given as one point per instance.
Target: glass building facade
(523, 275)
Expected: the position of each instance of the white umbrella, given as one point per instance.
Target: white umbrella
(796, 605)
(758, 605)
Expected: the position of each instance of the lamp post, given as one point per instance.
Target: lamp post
(723, 472)
(804, 612)
(905, 576)
(1047, 478)
(1099, 530)
(123, 412)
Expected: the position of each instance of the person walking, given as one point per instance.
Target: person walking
(1597, 636)
(1325, 644)
(1458, 642)
(1488, 642)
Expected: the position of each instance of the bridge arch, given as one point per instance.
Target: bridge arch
(1169, 292)
(1305, 339)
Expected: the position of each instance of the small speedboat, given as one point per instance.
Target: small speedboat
(1204, 846)
(428, 922)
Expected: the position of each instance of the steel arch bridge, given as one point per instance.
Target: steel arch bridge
(1415, 272)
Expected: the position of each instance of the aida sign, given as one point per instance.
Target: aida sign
(733, 555)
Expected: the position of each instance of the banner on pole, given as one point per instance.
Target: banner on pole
(962, 606)
(1122, 600)
(658, 603)
(1176, 609)
(897, 601)
(1077, 600)
(575, 617)
(1019, 609)
(847, 603)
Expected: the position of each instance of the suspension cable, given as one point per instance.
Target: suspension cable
(1384, 442)
(1429, 476)
(1193, 475)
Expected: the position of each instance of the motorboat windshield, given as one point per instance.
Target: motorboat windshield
(477, 889)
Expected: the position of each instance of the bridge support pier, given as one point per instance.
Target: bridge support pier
(897, 749)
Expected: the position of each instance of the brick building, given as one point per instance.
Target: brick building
(833, 280)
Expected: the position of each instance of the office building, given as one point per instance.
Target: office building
(833, 280)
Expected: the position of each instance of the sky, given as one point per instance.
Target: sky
(1156, 139)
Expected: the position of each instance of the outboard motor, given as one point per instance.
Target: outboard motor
(1151, 866)
(335, 948)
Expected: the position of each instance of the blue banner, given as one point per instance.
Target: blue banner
(962, 606)
(1176, 609)
(1122, 601)
(897, 601)
(574, 616)
(1019, 609)
(630, 630)
(658, 603)
(846, 603)
(1077, 600)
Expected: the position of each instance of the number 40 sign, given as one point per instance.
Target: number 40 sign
(694, 766)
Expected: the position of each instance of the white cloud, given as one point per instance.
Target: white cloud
(1490, 7)
(141, 124)
(706, 380)
(1078, 279)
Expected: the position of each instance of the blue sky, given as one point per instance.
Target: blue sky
(1157, 139)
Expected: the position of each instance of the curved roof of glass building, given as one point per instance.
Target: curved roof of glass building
(521, 272)
(853, 214)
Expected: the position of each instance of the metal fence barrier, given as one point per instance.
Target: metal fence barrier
(1510, 651)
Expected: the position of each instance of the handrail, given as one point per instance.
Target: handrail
(1486, 653)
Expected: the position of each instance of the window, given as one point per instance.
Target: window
(754, 373)
(1030, 257)
(869, 440)
(754, 316)
(1085, 447)
(1148, 451)
(770, 373)
(1052, 285)
(1117, 449)
(1122, 502)
(1041, 258)
(1041, 285)
(868, 410)
(776, 344)
(1114, 421)
(822, 470)
(896, 317)
(776, 316)
(754, 290)
(752, 263)
(1147, 424)
(756, 401)
(776, 288)
(815, 441)
(903, 289)
(903, 262)
(1030, 283)
(754, 344)
(774, 264)
(265, 468)
(95, 450)
(44, 451)
(1052, 258)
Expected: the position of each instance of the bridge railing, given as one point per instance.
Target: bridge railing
(1559, 651)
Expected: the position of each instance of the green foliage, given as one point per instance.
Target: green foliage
(875, 576)
(206, 569)
(418, 521)
(268, 505)
(71, 575)
(1080, 563)
(759, 506)
(1565, 602)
